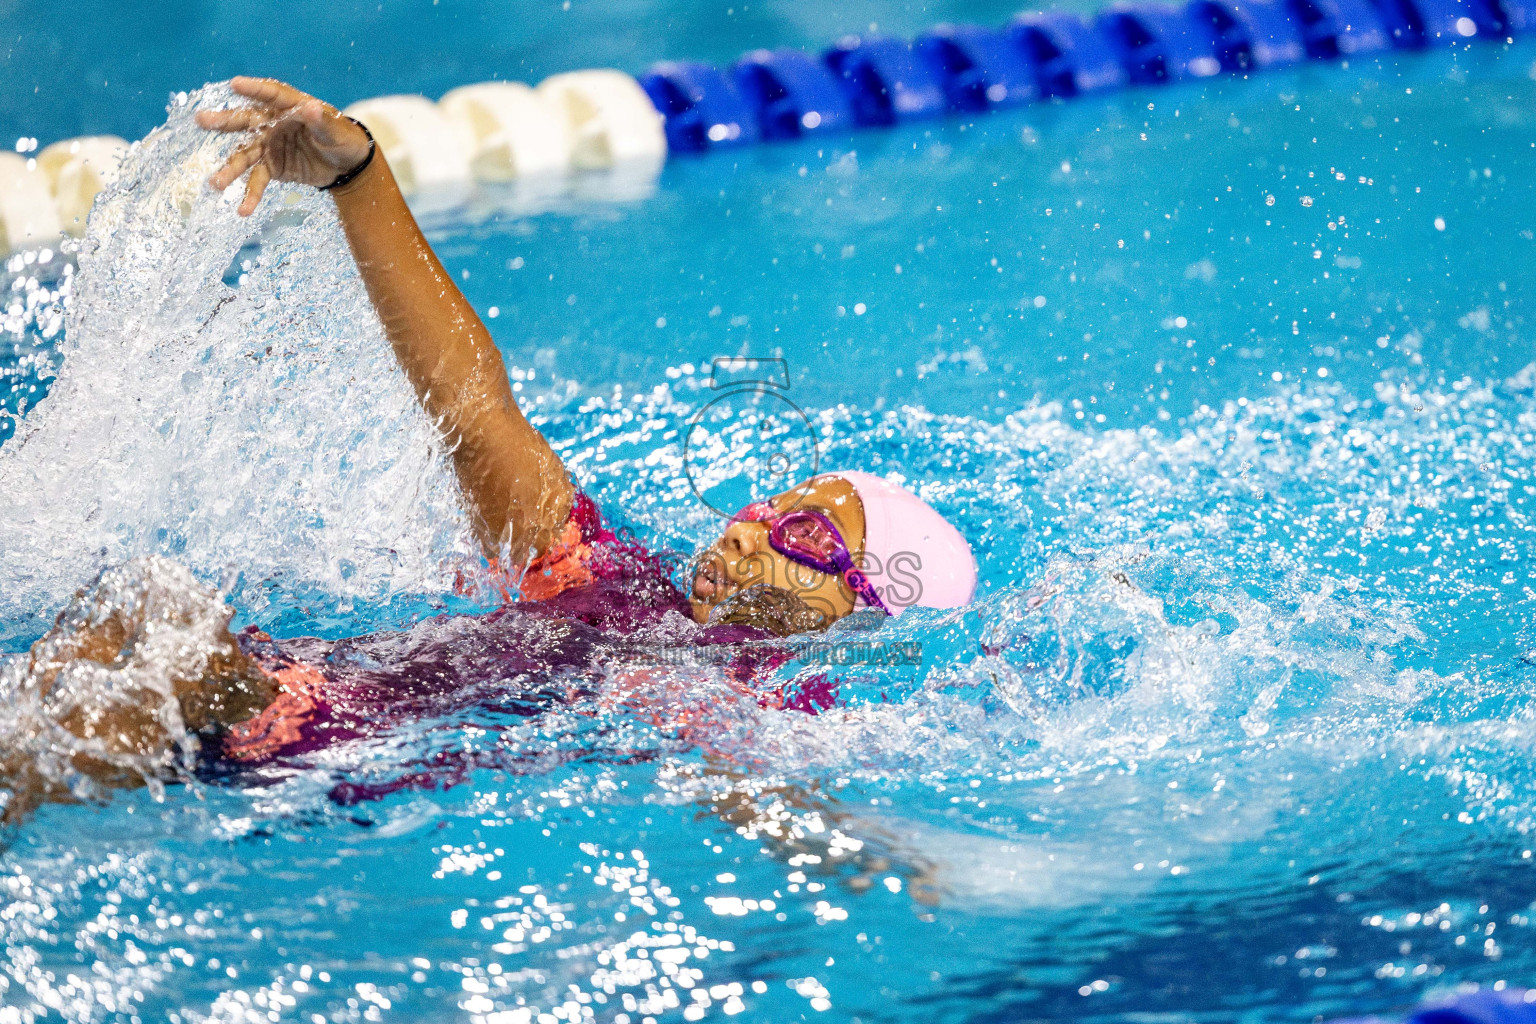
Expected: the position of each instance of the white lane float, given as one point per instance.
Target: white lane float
(515, 132)
(499, 133)
(428, 152)
(76, 170)
(612, 122)
(27, 215)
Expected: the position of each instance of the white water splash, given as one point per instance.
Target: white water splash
(260, 434)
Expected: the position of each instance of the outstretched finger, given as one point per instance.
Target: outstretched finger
(268, 90)
(236, 120)
(237, 164)
(255, 185)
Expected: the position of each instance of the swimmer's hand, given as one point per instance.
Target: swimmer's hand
(518, 493)
(295, 137)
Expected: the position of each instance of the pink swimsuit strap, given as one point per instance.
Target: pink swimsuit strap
(564, 565)
(281, 723)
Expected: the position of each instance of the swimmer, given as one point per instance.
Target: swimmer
(796, 562)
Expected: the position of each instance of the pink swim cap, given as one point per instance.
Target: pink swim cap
(913, 555)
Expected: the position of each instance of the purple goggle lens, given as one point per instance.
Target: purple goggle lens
(807, 537)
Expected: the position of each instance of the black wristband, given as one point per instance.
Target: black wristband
(360, 168)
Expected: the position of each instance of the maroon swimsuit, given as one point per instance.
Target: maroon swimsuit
(600, 600)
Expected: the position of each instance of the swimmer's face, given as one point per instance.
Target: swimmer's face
(742, 559)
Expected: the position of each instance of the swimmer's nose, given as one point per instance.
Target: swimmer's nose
(731, 561)
(743, 540)
(744, 547)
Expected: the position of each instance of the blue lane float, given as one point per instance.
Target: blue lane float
(1519, 16)
(699, 105)
(1333, 29)
(1157, 44)
(1069, 56)
(977, 68)
(1452, 21)
(1422, 23)
(791, 94)
(876, 81)
(885, 80)
(1250, 35)
(1403, 24)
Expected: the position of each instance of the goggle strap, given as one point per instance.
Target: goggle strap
(859, 584)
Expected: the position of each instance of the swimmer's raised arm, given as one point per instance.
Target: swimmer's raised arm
(515, 483)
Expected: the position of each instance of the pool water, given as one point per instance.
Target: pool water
(1231, 388)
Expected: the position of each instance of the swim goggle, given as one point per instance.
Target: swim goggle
(807, 537)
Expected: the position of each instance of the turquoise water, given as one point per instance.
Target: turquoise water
(1240, 726)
